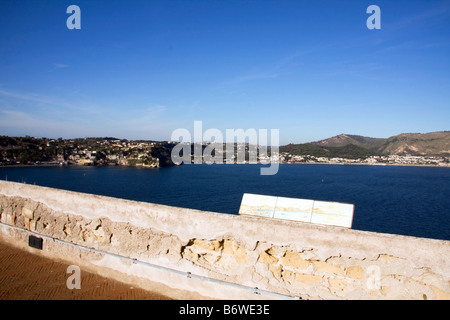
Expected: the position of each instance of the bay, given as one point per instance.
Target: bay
(404, 200)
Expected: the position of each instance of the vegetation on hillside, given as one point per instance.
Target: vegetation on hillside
(349, 151)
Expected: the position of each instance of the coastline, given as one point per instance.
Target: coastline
(288, 163)
(368, 164)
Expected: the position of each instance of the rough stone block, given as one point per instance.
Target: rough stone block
(337, 282)
(322, 266)
(294, 260)
(99, 234)
(267, 258)
(240, 255)
(228, 247)
(307, 278)
(28, 213)
(26, 223)
(276, 271)
(355, 272)
(33, 225)
(11, 219)
(204, 245)
(67, 230)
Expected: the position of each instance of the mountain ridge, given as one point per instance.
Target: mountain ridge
(416, 144)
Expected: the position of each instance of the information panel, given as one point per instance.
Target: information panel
(304, 210)
(258, 205)
(293, 209)
(333, 213)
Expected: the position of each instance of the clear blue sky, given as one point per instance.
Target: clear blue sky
(141, 69)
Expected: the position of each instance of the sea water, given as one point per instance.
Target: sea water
(403, 200)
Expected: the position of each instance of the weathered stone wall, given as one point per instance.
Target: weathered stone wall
(290, 258)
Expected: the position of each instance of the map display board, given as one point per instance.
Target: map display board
(293, 209)
(304, 210)
(332, 213)
(258, 205)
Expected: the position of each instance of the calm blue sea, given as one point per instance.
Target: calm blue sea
(391, 199)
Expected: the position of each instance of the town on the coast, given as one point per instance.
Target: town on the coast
(380, 160)
(154, 154)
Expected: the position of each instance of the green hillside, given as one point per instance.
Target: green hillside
(349, 151)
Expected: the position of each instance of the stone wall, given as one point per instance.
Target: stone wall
(288, 258)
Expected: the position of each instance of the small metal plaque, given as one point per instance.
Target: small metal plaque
(35, 242)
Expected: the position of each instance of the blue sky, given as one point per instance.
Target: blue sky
(141, 69)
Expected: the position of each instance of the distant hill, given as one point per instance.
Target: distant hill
(430, 144)
(355, 146)
(348, 139)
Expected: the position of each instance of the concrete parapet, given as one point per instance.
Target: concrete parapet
(225, 253)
